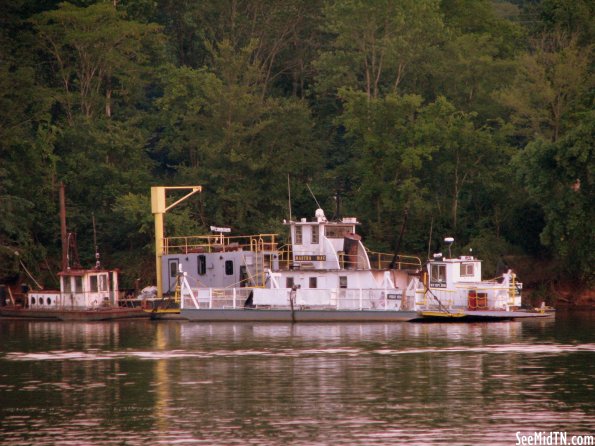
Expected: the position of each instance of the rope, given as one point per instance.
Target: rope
(30, 275)
(440, 304)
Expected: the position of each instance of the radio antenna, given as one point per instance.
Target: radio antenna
(312, 193)
(430, 237)
(97, 261)
(289, 195)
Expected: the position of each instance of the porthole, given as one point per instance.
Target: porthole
(49, 301)
(32, 301)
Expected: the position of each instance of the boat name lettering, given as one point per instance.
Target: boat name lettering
(437, 285)
(308, 258)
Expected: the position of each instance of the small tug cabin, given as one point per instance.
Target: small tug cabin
(79, 289)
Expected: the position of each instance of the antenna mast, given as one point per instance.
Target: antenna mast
(97, 261)
(63, 233)
(289, 195)
(312, 193)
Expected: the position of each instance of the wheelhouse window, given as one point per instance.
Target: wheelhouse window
(66, 281)
(467, 269)
(102, 282)
(313, 282)
(229, 267)
(78, 284)
(315, 233)
(93, 282)
(438, 276)
(298, 235)
(338, 231)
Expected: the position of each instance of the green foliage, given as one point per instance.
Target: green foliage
(388, 104)
(550, 86)
(560, 176)
(97, 56)
(223, 134)
(378, 44)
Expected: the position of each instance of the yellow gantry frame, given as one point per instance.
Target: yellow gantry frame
(159, 208)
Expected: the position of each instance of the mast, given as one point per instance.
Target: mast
(395, 259)
(63, 232)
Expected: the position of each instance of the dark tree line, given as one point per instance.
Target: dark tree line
(475, 116)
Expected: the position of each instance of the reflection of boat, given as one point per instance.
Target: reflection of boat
(325, 274)
(84, 294)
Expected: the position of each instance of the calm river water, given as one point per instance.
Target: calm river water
(172, 382)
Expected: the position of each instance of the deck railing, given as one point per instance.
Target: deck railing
(337, 299)
(379, 260)
(219, 243)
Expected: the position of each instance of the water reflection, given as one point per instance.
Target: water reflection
(168, 382)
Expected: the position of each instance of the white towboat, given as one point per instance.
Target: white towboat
(326, 274)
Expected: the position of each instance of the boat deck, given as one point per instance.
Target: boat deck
(99, 314)
(479, 315)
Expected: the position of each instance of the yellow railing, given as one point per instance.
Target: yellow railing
(379, 260)
(219, 243)
(285, 257)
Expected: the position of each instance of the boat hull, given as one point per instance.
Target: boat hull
(479, 316)
(102, 314)
(286, 315)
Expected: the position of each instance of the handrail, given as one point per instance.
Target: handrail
(217, 243)
(383, 260)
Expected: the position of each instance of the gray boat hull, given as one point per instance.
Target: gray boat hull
(282, 315)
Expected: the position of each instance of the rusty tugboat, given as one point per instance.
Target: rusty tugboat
(84, 294)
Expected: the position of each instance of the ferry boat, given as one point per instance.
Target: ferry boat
(84, 294)
(325, 273)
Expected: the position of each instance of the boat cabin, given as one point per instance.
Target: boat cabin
(446, 273)
(321, 258)
(457, 283)
(323, 245)
(79, 289)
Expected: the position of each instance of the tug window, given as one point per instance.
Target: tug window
(338, 231)
(78, 284)
(289, 282)
(313, 282)
(93, 284)
(66, 281)
(342, 281)
(438, 275)
(314, 234)
(229, 267)
(298, 235)
(467, 270)
(201, 265)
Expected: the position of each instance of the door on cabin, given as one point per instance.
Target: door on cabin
(172, 268)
